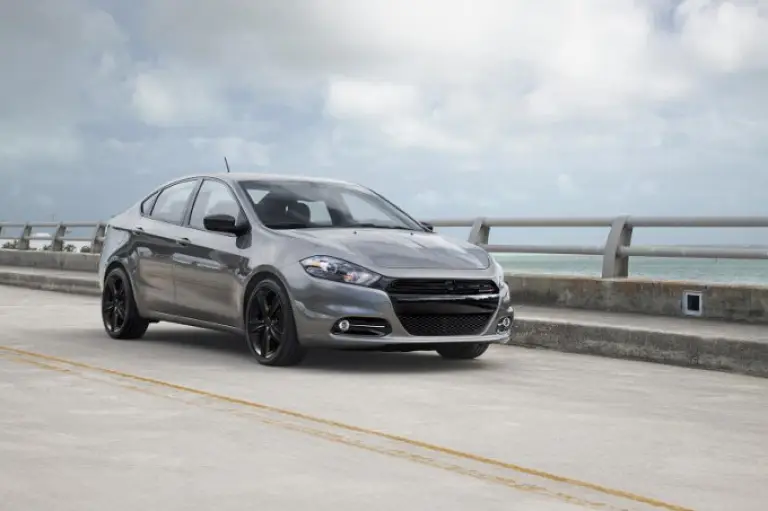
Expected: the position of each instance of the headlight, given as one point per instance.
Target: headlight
(330, 268)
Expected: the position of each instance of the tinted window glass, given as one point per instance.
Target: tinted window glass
(288, 204)
(318, 212)
(214, 198)
(172, 201)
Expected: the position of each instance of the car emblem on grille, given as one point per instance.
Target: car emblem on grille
(450, 285)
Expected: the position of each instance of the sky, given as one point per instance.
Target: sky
(449, 108)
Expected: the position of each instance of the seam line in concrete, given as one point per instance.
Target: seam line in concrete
(357, 429)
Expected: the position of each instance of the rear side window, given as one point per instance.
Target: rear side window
(172, 202)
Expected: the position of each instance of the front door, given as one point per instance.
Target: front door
(209, 267)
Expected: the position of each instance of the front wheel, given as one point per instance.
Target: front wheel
(462, 351)
(270, 326)
(118, 307)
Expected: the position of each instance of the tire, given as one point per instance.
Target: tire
(274, 341)
(119, 313)
(462, 351)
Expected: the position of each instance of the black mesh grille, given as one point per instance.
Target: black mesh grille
(442, 287)
(444, 324)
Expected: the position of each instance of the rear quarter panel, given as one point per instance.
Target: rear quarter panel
(117, 247)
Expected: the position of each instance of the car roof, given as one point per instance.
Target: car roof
(255, 176)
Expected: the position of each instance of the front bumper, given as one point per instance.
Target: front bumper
(319, 305)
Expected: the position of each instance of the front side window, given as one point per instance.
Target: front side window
(214, 198)
(172, 201)
(287, 204)
(146, 205)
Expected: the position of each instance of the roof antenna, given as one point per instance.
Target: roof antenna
(227, 164)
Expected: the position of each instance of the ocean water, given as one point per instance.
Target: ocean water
(729, 271)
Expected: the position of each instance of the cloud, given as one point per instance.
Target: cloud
(235, 149)
(449, 107)
(566, 185)
(165, 99)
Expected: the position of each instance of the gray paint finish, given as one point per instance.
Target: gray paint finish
(199, 277)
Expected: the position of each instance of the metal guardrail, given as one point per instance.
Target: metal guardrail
(59, 237)
(617, 248)
(615, 252)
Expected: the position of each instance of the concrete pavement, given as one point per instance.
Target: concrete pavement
(184, 419)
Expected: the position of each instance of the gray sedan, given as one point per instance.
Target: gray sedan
(295, 263)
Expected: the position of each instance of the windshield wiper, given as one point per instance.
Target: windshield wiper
(288, 225)
(381, 226)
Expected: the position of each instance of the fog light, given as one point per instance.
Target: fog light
(343, 325)
(504, 324)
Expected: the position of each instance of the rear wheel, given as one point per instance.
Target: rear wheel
(270, 326)
(118, 307)
(462, 351)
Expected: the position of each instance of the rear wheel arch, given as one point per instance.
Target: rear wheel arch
(115, 264)
(118, 263)
(120, 314)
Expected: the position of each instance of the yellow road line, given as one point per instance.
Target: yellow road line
(357, 429)
(337, 438)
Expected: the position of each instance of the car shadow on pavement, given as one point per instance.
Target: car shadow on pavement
(196, 338)
(320, 359)
(383, 362)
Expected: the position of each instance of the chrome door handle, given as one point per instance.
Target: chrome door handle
(182, 241)
(138, 231)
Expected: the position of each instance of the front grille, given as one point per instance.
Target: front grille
(442, 287)
(444, 324)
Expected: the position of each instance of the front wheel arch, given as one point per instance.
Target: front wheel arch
(290, 352)
(253, 280)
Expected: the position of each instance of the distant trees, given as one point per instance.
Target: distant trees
(69, 247)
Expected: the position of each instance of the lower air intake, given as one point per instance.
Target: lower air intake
(444, 324)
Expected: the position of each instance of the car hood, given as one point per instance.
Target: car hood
(396, 249)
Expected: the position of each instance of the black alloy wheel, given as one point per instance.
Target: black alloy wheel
(270, 327)
(118, 308)
(462, 351)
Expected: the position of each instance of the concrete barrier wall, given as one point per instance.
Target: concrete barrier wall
(744, 304)
(70, 261)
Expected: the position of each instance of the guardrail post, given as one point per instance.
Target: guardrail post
(614, 264)
(97, 243)
(26, 234)
(480, 232)
(57, 245)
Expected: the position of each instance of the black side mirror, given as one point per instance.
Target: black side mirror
(428, 226)
(225, 223)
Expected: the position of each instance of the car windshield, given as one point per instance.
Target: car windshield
(293, 204)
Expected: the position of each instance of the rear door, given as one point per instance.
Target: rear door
(209, 267)
(156, 238)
